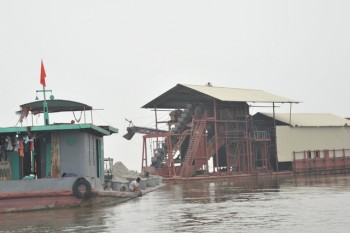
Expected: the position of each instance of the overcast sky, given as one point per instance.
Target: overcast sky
(119, 55)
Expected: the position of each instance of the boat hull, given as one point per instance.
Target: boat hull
(26, 199)
(37, 203)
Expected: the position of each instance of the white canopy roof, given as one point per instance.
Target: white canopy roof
(240, 95)
(310, 119)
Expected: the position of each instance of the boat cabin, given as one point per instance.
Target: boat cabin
(53, 150)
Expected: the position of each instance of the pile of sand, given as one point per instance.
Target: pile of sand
(122, 174)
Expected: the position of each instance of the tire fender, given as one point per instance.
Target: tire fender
(82, 188)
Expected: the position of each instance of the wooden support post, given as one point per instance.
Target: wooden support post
(56, 156)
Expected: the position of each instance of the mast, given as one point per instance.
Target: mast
(46, 111)
(45, 106)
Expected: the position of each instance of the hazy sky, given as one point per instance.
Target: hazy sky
(119, 55)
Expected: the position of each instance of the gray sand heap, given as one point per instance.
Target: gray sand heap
(122, 174)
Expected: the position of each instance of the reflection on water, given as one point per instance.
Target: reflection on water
(303, 204)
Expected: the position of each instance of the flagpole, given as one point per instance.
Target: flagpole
(42, 82)
(46, 111)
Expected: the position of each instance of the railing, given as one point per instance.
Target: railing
(315, 160)
(172, 152)
(325, 153)
(260, 135)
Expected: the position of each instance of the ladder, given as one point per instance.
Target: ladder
(193, 146)
(172, 152)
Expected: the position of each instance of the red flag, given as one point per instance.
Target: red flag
(42, 75)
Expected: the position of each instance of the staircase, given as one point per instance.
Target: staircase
(193, 146)
(172, 152)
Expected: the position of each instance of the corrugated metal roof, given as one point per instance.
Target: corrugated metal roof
(240, 95)
(181, 94)
(56, 106)
(310, 119)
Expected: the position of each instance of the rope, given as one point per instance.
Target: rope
(77, 120)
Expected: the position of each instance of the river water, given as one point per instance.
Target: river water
(304, 204)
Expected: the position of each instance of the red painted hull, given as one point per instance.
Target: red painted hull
(28, 201)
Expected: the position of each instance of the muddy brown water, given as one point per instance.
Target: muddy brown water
(304, 204)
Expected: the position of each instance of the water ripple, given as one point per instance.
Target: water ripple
(310, 204)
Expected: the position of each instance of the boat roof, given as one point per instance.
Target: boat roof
(309, 119)
(97, 130)
(58, 105)
(182, 94)
(55, 106)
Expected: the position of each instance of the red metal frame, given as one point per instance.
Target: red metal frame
(237, 142)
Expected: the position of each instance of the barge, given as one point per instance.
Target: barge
(211, 132)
